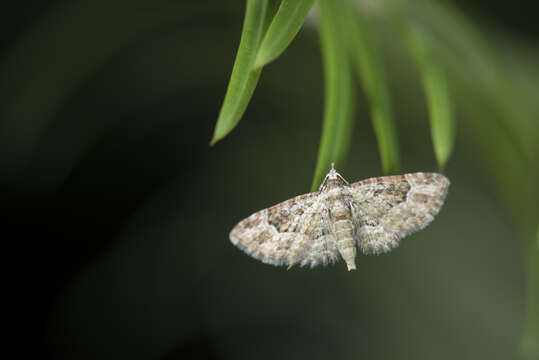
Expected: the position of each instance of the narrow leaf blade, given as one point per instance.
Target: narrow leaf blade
(436, 87)
(373, 81)
(283, 29)
(339, 102)
(243, 79)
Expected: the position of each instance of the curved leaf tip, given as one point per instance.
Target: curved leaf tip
(437, 92)
(244, 78)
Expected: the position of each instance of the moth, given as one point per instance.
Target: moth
(322, 227)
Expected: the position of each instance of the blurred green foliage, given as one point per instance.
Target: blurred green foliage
(339, 95)
(371, 72)
(435, 83)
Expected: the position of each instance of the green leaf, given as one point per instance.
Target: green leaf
(283, 29)
(339, 91)
(373, 80)
(244, 78)
(440, 113)
(439, 103)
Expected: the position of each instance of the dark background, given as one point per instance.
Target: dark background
(115, 212)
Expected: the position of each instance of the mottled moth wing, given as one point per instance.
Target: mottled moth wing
(296, 231)
(386, 209)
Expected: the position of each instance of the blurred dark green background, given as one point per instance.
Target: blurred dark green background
(115, 212)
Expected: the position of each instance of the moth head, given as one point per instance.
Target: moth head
(333, 178)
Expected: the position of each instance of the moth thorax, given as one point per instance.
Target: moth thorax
(334, 182)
